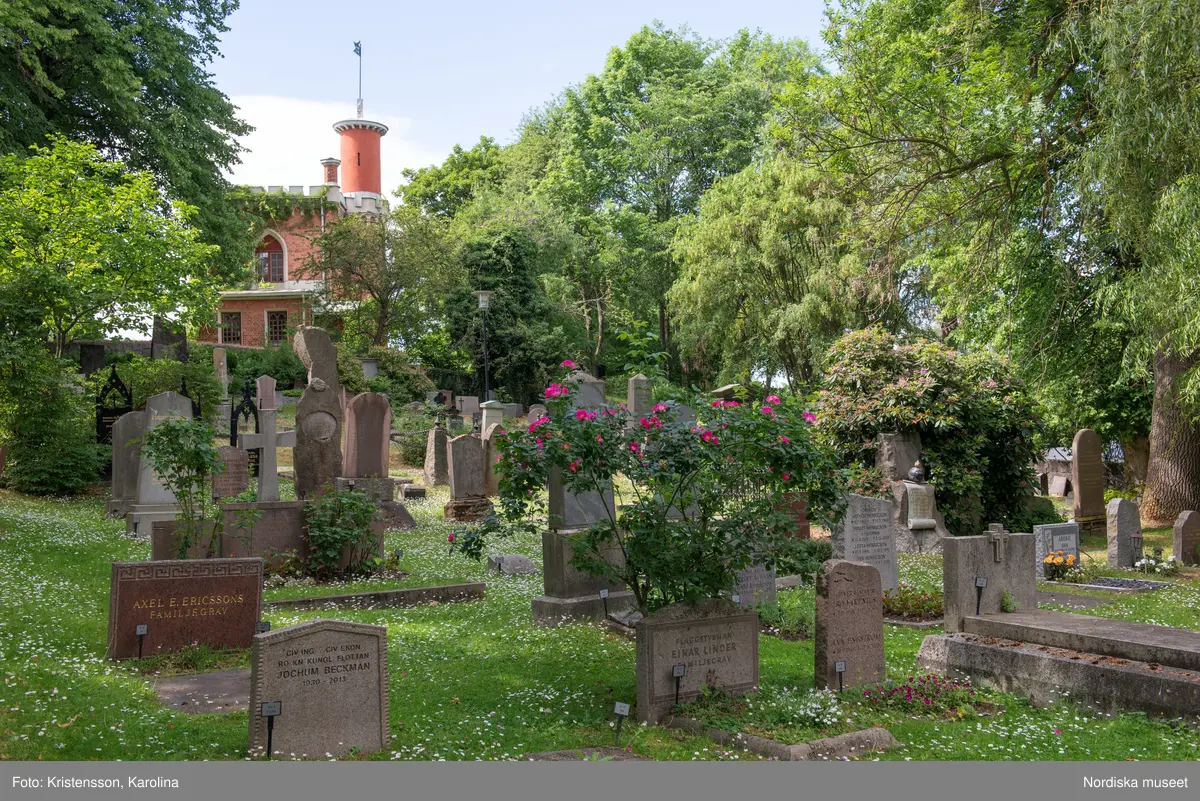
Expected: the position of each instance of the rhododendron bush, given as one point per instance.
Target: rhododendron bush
(683, 517)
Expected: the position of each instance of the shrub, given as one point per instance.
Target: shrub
(52, 437)
(339, 523)
(181, 451)
(281, 363)
(975, 419)
(909, 602)
(690, 526)
(146, 377)
(804, 559)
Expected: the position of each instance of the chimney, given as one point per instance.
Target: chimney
(331, 170)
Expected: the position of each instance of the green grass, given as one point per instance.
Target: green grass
(470, 680)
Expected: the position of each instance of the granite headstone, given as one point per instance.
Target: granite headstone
(849, 625)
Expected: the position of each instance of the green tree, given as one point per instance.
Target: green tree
(385, 277)
(768, 278)
(444, 189)
(131, 77)
(90, 245)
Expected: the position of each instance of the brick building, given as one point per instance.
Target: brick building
(286, 278)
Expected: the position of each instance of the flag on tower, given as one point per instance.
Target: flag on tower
(358, 48)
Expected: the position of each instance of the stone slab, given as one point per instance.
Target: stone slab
(512, 564)
(849, 625)
(412, 491)
(1045, 675)
(716, 640)
(968, 558)
(331, 679)
(380, 490)
(235, 478)
(1141, 642)
(436, 466)
(278, 528)
(211, 601)
(205, 693)
(368, 422)
(411, 596)
(865, 535)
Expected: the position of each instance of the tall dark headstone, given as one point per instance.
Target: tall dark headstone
(849, 626)
(318, 451)
(1087, 480)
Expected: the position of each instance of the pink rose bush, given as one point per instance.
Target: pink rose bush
(685, 521)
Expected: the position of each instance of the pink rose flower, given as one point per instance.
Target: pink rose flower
(767, 410)
(450, 538)
(773, 400)
(786, 477)
(717, 404)
(541, 421)
(567, 363)
(575, 465)
(809, 417)
(785, 440)
(659, 407)
(635, 447)
(584, 414)
(556, 390)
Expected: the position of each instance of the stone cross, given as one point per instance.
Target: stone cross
(999, 539)
(268, 440)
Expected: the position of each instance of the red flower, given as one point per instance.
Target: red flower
(450, 538)
(568, 363)
(584, 414)
(575, 465)
(659, 407)
(555, 390)
(785, 440)
(538, 422)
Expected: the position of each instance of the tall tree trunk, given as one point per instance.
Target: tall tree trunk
(1137, 458)
(1173, 474)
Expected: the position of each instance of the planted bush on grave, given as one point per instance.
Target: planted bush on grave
(685, 528)
(976, 421)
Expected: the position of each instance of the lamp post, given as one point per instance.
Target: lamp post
(485, 302)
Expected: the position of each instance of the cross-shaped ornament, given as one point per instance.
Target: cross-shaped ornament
(999, 539)
(268, 440)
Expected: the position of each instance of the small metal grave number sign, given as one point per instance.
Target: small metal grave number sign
(678, 671)
(142, 630)
(840, 669)
(737, 599)
(621, 709)
(270, 710)
(262, 625)
(603, 593)
(981, 582)
(622, 712)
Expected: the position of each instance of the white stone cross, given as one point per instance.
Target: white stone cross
(268, 440)
(999, 539)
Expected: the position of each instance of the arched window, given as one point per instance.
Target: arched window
(272, 260)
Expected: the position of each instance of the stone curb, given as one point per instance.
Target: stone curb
(855, 743)
(1106, 588)
(411, 596)
(914, 624)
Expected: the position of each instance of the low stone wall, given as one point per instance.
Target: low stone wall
(1045, 675)
(412, 596)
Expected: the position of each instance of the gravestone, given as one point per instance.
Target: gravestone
(716, 641)
(491, 454)
(919, 526)
(412, 491)
(1059, 486)
(379, 490)
(115, 399)
(1186, 539)
(795, 505)
(266, 395)
(168, 340)
(266, 441)
(330, 678)
(639, 400)
(447, 398)
(755, 585)
(370, 367)
(589, 391)
(214, 602)
(1087, 481)
(492, 412)
(126, 461)
(235, 478)
(368, 432)
(437, 473)
(537, 411)
(91, 357)
(1124, 523)
(318, 450)
(467, 404)
(152, 500)
(849, 626)
(1003, 561)
(512, 410)
(511, 564)
(726, 393)
(468, 494)
(1052, 538)
(865, 535)
(895, 454)
(221, 371)
(264, 529)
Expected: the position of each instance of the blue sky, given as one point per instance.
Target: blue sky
(437, 73)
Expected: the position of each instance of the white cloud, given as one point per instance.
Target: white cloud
(292, 135)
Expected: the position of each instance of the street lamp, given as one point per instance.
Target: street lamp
(485, 302)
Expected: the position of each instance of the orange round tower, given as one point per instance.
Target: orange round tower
(360, 165)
